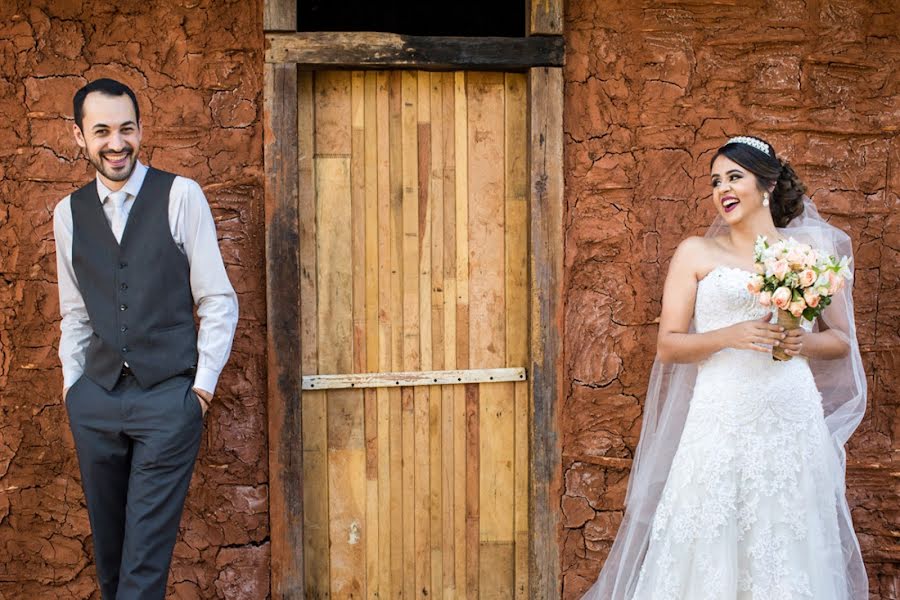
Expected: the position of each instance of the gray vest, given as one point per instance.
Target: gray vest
(137, 294)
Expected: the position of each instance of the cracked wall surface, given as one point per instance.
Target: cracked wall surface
(196, 66)
(652, 89)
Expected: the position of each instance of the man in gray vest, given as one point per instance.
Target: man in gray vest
(136, 250)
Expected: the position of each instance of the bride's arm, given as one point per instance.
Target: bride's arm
(674, 344)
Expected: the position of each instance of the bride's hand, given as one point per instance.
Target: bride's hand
(793, 341)
(755, 334)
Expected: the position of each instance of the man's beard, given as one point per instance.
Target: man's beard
(107, 171)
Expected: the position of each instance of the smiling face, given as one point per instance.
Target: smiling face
(110, 136)
(736, 191)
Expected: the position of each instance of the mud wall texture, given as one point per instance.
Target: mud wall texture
(196, 66)
(652, 88)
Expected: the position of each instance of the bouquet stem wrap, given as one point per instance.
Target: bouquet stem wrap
(788, 321)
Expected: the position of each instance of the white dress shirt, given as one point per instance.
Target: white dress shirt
(194, 231)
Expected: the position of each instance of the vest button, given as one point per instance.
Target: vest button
(123, 264)
(125, 350)
(124, 286)
(123, 307)
(124, 328)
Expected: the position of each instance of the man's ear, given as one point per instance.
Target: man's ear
(79, 136)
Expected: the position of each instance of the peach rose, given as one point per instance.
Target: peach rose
(807, 277)
(755, 284)
(797, 308)
(760, 268)
(780, 269)
(835, 283)
(811, 297)
(765, 298)
(794, 256)
(781, 298)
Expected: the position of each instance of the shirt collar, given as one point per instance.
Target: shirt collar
(131, 187)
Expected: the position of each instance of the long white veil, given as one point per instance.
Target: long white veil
(841, 382)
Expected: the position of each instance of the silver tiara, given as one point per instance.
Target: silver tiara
(758, 144)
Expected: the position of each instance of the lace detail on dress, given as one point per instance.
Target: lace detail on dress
(748, 510)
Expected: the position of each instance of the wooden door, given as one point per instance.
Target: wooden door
(414, 259)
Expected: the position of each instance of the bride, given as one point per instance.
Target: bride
(737, 486)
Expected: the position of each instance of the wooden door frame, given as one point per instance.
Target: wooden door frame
(541, 54)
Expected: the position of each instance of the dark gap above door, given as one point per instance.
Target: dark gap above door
(476, 18)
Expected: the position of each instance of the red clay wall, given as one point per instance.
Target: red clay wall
(652, 88)
(196, 66)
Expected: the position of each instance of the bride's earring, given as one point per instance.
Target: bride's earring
(766, 199)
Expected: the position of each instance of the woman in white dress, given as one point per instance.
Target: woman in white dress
(737, 486)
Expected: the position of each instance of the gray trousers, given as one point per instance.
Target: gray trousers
(136, 452)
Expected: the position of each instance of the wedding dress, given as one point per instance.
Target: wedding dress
(737, 488)
(748, 511)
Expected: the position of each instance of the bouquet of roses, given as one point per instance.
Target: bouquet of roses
(796, 279)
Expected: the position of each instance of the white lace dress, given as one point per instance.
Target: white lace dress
(748, 511)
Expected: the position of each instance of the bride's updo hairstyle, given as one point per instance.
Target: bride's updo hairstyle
(758, 157)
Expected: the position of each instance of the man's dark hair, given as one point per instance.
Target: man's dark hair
(110, 87)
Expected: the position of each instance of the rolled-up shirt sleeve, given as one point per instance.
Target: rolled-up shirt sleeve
(75, 327)
(217, 305)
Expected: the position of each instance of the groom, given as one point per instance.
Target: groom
(136, 249)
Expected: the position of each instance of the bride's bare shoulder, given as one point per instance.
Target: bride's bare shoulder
(695, 248)
(694, 256)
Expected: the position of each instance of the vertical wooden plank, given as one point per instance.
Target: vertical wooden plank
(545, 99)
(372, 531)
(436, 195)
(372, 220)
(441, 555)
(308, 257)
(424, 233)
(402, 582)
(487, 328)
(460, 334)
(448, 138)
(315, 497)
(427, 515)
(357, 223)
(415, 540)
(545, 17)
(410, 207)
(347, 491)
(346, 416)
(375, 449)
(462, 220)
(485, 156)
(387, 531)
(315, 433)
(345, 411)
(334, 213)
(365, 292)
(472, 528)
(517, 309)
(435, 504)
(280, 15)
(401, 403)
(283, 341)
(516, 220)
(520, 466)
(453, 494)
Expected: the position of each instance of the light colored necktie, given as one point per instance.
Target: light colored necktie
(118, 214)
